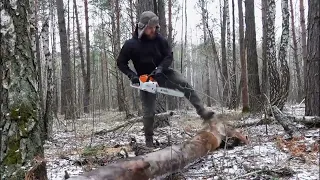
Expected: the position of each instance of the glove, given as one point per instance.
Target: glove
(135, 79)
(157, 73)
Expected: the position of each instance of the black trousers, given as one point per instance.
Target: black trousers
(170, 79)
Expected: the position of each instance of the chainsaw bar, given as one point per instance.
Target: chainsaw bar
(153, 87)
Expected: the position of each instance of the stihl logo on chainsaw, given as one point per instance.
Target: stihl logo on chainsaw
(147, 83)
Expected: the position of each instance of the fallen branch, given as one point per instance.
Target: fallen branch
(257, 122)
(133, 121)
(284, 121)
(168, 160)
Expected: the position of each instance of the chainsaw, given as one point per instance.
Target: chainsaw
(147, 83)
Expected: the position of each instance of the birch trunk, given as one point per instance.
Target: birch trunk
(273, 74)
(19, 101)
(48, 116)
(284, 67)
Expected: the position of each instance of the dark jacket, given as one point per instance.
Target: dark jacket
(145, 54)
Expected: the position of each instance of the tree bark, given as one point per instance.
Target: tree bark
(205, 43)
(233, 101)
(224, 62)
(170, 38)
(168, 160)
(303, 42)
(83, 69)
(265, 83)
(284, 67)
(273, 74)
(19, 118)
(243, 61)
(252, 58)
(295, 54)
(87, 82)
(162, 18)
(67, 97)
(313, 61)
(48, 116)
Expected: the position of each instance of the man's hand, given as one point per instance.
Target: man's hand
(135, 79)
(157, 73)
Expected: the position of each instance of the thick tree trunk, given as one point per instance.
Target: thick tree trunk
(55, 106)
(313, 60)
(19, 121)
(265, 83)
(67, 97)
(295, 54)
(87, 82)
(284, 67)
(243, 61)
(252, 58)
(162, 18)
(273, 74)
(145, 5)
(303, 42)
(168, 160)
(224, 62)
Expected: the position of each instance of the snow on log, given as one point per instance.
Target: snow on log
(168, 160)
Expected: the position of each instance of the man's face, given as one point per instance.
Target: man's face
(150, 31)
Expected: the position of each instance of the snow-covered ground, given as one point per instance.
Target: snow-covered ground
(268, 156)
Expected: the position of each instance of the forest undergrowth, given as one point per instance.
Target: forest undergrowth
(270, 154)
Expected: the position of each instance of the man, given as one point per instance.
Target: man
(151, 54)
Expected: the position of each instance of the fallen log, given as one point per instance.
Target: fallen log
(132, 121)
(308, 121)
(168, 160)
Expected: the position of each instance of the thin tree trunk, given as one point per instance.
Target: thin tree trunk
(48, 117)
(313, 61)
(303, 42)
(295, 54)
(243, 61)
(252, 58)
(233, 102)
(170, 40)
(87, 82)
(19, 99)
(55, 87)
(162, 18)
(84, 73)
(224, 61)
(265, 83)
(205, 42)
(66, 79)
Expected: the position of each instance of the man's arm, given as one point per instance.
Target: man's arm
(168, 59)
(123, 59)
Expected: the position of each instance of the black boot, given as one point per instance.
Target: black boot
(149, 141)
(148, 130)
(205, 114)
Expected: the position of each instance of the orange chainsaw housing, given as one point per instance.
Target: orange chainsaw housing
(144, 77)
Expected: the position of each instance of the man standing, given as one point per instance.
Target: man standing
(151, 54)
